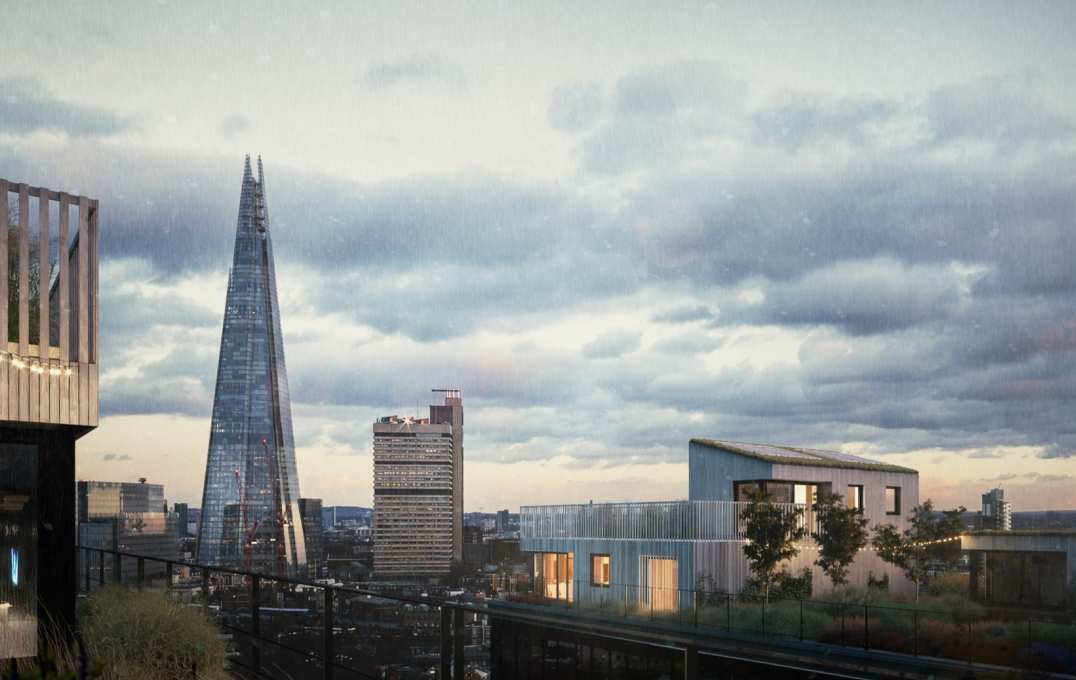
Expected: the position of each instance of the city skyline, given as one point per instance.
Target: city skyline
(617, 228)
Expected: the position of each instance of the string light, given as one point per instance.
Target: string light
(35, 366)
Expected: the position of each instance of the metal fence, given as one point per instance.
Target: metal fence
(973, 634)
(283, 627)
(671, 521)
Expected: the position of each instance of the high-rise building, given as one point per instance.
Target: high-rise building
(997, 512)
(502, 521)
(130, 517)
(310, 510)
(182, 511)
(250, 502)
(418, 492)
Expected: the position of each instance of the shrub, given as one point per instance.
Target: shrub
(142, 635)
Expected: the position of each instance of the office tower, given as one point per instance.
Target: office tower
(130, 517)
(418, 488)
(250, 503)
(310, 510)
(502, 521)
(182, 512)
(997, 512)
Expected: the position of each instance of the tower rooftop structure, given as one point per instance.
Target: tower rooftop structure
(250, 512)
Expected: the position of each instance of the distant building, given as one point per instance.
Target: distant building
(182, 512)
(129, 517)
(310, 509)
(655, 553)
(250, 501)
(997, 512)
(503, 518)
(418, 492)
(472, 534)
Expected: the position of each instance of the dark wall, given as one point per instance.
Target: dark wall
(57, 578)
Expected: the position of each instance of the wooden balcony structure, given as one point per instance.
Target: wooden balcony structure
(52, 381)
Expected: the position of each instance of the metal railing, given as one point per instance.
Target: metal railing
(974, 634)
(291, 627)
(666, 520)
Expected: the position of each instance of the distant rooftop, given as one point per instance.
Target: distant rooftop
(788, 455)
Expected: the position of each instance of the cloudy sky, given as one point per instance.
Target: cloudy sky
(615, 226)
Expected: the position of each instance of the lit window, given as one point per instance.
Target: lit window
(892, 500)
(855, 496)
(600, 570)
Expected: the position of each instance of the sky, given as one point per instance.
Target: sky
(615, 226)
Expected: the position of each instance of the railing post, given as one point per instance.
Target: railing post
(866, 626)
(446, 643)
(691, 663)
(205, 589)
(915, 632)
(141, 562)
(168, 575)
(101, 568)
(457, 647)
(255, 624)
(84, 555)
(327, 635)
(763, 617)
(117, 567)
(728, 611)
(801, 619)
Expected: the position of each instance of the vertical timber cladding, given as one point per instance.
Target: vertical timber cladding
(50, 320)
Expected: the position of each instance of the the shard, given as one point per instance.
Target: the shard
(250, 503)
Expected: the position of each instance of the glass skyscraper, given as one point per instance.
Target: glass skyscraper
(250, 502)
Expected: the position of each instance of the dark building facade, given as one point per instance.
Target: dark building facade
(182, 511)
(250, 502)
(310, 509)
(48, 400)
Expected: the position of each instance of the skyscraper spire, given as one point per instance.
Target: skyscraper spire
(250, 513)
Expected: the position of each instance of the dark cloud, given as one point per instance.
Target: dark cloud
(804, 120)
(27, 106)
(685, 314)
(418, 68)
(613, 344)
(860, 296)
(1010, 111)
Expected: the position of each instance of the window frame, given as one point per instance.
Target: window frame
(860, 497)
(896, 500)
(595, 578)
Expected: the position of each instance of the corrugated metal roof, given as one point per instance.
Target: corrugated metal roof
(790, 455)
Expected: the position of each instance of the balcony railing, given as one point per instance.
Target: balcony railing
(292, 628)
(49, 315)
(667, 521)
(967, 633)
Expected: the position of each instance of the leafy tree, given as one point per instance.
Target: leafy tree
(928, 539)
(840, 533)
(771, 534)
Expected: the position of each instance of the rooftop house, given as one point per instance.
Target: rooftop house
(48, 399)
(656, 553)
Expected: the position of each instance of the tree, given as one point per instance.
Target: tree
(930, 538)
(840, 533)
(771, 534)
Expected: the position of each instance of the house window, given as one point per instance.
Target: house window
(855, 496)
(600, 571)
(892, 500)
